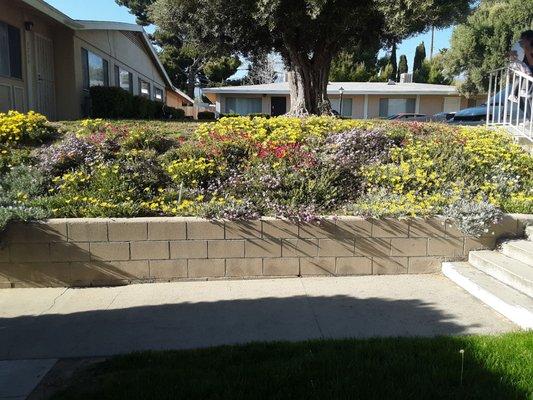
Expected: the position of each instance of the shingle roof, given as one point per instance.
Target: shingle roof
(350, 88)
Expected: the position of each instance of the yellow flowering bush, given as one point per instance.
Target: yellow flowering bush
(16, 127)
(280, 130)
(478, 163)
(191, 171)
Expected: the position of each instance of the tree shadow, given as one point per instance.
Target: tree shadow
(184, 325)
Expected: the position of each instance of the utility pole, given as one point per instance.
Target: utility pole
(432, 41)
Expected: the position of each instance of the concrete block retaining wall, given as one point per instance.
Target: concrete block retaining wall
(100, 252)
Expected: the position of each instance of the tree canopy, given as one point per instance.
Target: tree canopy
(480, 44)
(187, 59)
(308, 34)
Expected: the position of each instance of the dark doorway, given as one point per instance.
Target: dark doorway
(278, 106)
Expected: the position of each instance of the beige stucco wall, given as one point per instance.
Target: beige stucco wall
(15, 14)
(114, 46)
(117, 49)
(427, 104)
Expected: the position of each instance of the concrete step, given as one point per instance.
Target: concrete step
(521, 250)
(529, 232)
(512, 272)
(511, 303)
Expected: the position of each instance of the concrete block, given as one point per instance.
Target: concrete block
(188, 249)
(202, 229)
(225, 248)
(29, 252)
(244, 267)
(390, 228)
(445, 246)
(36, 274)
(453, 230)
(409, 247)
(354, 266)
(279, 229)
(317, 266)
(262, 248)
(281, 267)
(427, 227)
(335, 248)
(69, 251)
(168, 269)
(353, 227)
(105, 251)
(372, 247)
(389, 266)
(482, 243)
(425, 265)
(317, 230)
(87, 230)
(124, 230)
(132, 269)
(4, 252)
(104, 273)
(243, 230)
(36, 232)
(150, 250)
(299, 248)
(507, 227)
(206, 268)
(167, 229)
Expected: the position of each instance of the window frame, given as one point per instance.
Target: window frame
(85, 58)
(118, 80)
(149, 94)
(156, 90)
(228, 100)
(13, 45)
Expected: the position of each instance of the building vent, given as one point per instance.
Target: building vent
(406, 78)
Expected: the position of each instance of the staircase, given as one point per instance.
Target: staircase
(502, 279)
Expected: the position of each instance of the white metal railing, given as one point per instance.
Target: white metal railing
(509, 101)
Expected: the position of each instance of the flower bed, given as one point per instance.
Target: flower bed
(245, 168)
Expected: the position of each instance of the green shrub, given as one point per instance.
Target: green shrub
(115, 103)
(206, 115)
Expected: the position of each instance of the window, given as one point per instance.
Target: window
(346, 106)
(388, 107)
(144, 88)
(123, 79)
(244, 105)
(158, 93)
(95, 70)
(11, 64)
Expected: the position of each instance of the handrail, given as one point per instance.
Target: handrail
(510, 101)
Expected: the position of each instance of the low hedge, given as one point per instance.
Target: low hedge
(116, 103)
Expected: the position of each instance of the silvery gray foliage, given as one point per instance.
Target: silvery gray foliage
(473, 218)
(21, 180)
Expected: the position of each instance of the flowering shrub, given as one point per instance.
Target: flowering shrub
(244, 168)
(29, 128)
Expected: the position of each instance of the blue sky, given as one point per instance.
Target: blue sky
(108, 10)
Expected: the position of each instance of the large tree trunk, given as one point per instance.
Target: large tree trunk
(191, 81)
(308, 83)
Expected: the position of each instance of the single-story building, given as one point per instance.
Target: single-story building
(49, 61)
(359, 99)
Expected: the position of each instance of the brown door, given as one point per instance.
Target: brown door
(278, 106)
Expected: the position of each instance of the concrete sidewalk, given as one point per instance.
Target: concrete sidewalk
(58, 323)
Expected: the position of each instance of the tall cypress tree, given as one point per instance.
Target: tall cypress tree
(394, 63)
(402, 66)
(418, 62)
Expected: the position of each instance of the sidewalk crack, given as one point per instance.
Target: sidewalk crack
(315, 317)
(54, 302)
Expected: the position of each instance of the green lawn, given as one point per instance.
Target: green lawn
(408, 368)
(181, 128)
